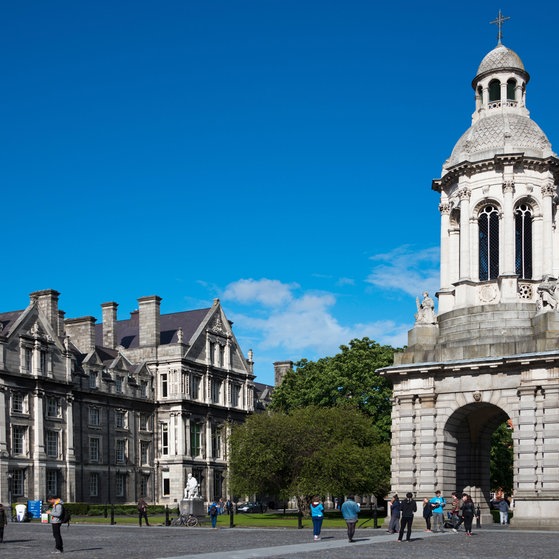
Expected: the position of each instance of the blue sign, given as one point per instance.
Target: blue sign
(34, 509)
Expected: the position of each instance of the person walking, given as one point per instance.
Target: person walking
(142, 511)
(317, 515)
(437, 503)
(350, 512)
(468, 511)
(213, 511)
(427, 514)
(55, 513)
(394, 524)
(3, 522)
(409, 507)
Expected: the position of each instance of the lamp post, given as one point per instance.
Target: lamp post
(10, 476)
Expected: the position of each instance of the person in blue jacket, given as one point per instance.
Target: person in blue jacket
(317, 515)
(350, 512)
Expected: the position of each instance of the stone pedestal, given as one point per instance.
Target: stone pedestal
(193, 506)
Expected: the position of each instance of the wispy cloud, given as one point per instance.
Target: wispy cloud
(295, 323)
(406, 269)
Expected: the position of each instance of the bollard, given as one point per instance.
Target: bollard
(105, 514)
(231, 518)
(112, 515)
(300, 520)
(375, 517)
(478, 517)
(167, 521)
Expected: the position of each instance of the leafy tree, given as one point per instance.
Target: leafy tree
(310, 451)
(502, 458)
(348, 378)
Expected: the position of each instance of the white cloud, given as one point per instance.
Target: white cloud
(270, 293)
(406, 269)
(301, 326)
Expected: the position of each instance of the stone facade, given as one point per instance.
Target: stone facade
(106, 413)
(492, 354)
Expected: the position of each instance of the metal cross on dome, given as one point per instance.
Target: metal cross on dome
(499, 22)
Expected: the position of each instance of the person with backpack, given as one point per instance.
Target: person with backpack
(213, 512)
(317, 515)
(142, 511)
(55, 513)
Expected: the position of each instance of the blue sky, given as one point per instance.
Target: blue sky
(277, 154)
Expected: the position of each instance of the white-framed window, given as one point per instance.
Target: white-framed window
(235, 395)
(195, 381)
(164, 385)
(94, 484)
(19, 439)
(51, 443)
(165, 483)
(120, 451)
(120, 485)
(53, 407)
(43, 362)
(120, 419)
(28, 359)
(217, 431)
(144, 484)
(94, 416)
(93, 377)
(18, 483)
(144, 453)
(165, 438)
(118, 384)
(52, 482)
(18, 403)
(216, 390)
(195, 439)
(94, 445)
(144, 422)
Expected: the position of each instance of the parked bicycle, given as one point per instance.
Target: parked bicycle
(185, 520)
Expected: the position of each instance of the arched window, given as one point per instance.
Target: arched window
(488, 225)
(511, 90)
(523, 241)
(494, 90)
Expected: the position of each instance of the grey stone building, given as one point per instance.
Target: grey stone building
(492, 353)
(106, 413)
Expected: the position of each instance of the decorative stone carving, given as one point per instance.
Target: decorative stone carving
(548, 294)
(425, 310)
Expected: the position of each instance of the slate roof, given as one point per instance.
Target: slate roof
(127, 331)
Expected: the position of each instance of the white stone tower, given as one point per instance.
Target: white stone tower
(492, 353)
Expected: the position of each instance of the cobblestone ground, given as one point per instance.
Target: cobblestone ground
(31, 541)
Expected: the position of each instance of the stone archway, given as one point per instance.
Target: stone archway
(467, 448)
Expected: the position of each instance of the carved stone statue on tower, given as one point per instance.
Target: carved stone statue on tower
(425, 310)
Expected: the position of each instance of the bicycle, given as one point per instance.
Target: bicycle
(185, 520)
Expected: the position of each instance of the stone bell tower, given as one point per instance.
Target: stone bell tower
(491, 354)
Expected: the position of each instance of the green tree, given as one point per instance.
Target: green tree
(346, 378)
(310, 451)
(502, 459)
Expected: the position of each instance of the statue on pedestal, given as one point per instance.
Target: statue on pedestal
(425, 310)
(191, 489)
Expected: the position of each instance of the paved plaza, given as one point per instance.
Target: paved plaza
(81, 541)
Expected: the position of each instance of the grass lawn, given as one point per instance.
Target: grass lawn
(266, 520)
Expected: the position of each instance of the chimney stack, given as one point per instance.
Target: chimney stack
(109, 324)
(47, 301)
(82, 332)
(281, 368)
(150, 316)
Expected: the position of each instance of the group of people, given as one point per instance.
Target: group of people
(463, 511)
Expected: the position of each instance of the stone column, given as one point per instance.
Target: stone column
(508, 266)
(403, 453)
(425, 443)
(444, 208)
(548, 191)
(465, 271)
